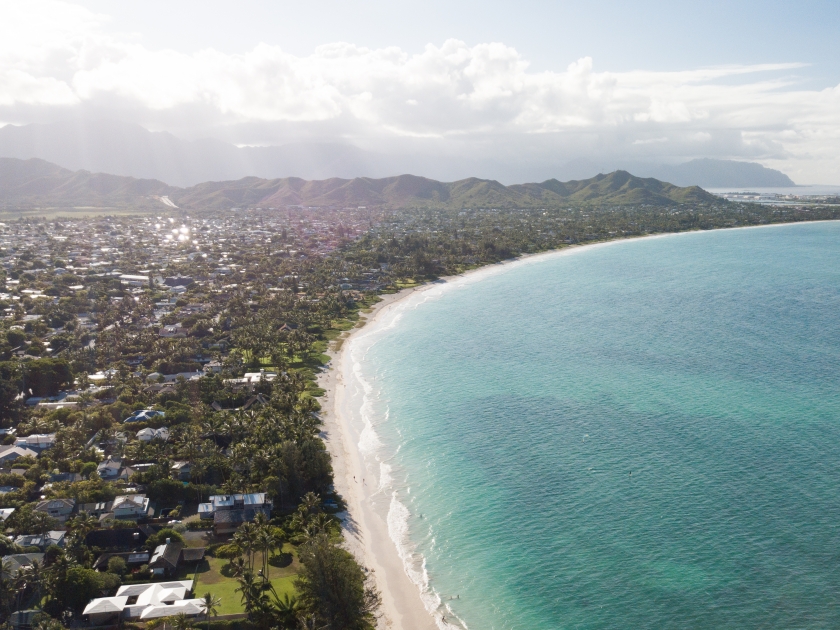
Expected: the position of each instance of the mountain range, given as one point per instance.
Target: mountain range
(121, 148)
(34, 183)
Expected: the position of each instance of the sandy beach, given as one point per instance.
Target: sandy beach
(366, 523)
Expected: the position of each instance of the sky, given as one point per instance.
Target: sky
(599, 81)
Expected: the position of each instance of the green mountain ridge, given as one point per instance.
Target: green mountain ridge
(34, 183)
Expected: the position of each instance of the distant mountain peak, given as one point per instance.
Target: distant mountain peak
(37, 183)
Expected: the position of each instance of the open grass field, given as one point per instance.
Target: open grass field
(212, 576)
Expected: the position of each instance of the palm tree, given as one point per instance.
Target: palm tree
(285, 610)
(246, 538)
(34, 576)
(248, 589)
(210, 603)
(181, 622)
(268, 539)
(6, 587)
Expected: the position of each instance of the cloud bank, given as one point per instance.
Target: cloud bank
(58, 60)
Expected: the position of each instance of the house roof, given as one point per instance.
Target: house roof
(130, 590)
(105, 605)
(192, 554)
(187, 606)
(130, 557)
(166, 556)
(6, 452)
(240, 516)
(116, 538)
(129, 501)
(56, 504)
(18, 561)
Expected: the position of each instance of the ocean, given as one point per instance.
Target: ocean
(639, 434)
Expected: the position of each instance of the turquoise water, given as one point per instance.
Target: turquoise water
(514, 409)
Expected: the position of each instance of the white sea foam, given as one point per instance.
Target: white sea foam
(385, 478)
(370, 447)
(415, 566)
(369, 441)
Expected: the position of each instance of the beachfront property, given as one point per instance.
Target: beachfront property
(168, 557)
(144, 602)
(229, 511)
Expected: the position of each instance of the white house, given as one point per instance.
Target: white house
(144, 602)
(134, 280)
(109, 469)
(37, 441)
(148, 434)
(130, 507)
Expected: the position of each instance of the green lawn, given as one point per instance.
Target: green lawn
(209, 578)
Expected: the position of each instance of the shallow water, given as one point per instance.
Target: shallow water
(639, 435)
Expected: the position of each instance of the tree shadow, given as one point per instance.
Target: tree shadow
(280, 560)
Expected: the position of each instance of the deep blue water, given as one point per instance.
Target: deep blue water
(641, 435)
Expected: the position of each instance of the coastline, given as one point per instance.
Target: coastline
(364, 525)
(367, 528)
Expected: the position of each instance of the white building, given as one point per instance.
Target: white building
(148, 434)
(37, 441)
(144, 602)
(130, 507)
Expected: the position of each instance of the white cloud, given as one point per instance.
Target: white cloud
(57, 58)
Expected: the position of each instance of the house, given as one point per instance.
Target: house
(174, 331)
(144, 415)
(134, 281)
(178, 281)
(109, 469)
(164, 562)
(37, 441)
(168, 557)
(42, 541)
(182, 470)
(160, 388)
(131, 558)
(5, 513)
(144, 602)
(25, 619)
(65, 476)
(148, 434)
(14, 563)
(130, 507)
(213, 367)
(119, 539)
(229, 511)
(59, 509)
(11, 452)
(250, 380)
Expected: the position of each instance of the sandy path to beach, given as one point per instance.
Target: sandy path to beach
(366, 526)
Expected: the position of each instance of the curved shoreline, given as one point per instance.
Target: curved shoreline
(366, 524)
